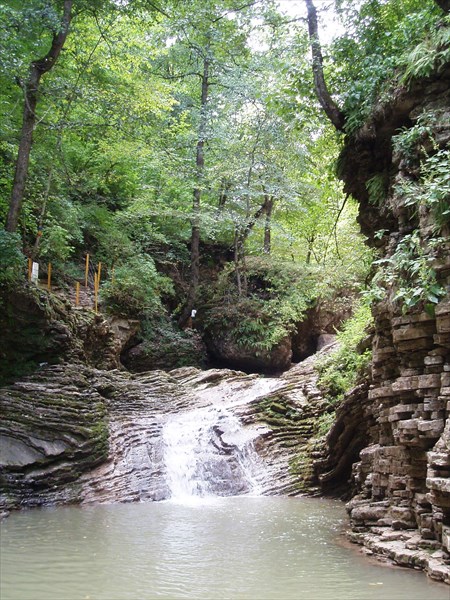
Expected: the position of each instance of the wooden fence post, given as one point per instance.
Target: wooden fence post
(49, 276)
(77, 293)
(30, 267)
(95, 291)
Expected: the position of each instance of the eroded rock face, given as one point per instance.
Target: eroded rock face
(316, 330)
(39, 327)
(401, 481)
(227, 351)
(71, 433)
(165, 351)
(53, 429)
(320, 324)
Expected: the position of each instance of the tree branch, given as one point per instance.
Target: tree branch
(45, 63)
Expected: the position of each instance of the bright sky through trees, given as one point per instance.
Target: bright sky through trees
(330, 25)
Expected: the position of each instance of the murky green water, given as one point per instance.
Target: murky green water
(258, 548)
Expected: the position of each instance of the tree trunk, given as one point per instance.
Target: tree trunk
(331, 109)
(199, 166)
(37, 242)
(241, 234)
(444, 4)
(267, 226)
(237, 259)
(223, 194)
(31, 88)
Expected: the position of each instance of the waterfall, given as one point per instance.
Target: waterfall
(207, 452)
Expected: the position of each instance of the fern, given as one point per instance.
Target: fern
(431, 54)
(376, 187)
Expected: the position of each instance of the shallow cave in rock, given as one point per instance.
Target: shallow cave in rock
(245, 366)
(311, 344)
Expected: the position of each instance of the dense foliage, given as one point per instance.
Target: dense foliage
(340, 370)
(278, 294)
(12, 260)
(151, 105)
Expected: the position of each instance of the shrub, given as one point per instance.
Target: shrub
(409, 274)
(339, 371)
(12, 260)
(166, 347)
(56, 244)
(278, 294)
(136, 289)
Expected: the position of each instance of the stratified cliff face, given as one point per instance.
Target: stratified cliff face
(402, 479)
(39, 328)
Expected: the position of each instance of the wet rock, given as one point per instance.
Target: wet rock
(72, 433)
(39, 327)
(226, 350)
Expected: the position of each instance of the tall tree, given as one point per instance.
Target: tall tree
(199, 170)
(205, 41)
(30, 87)
(330, 107)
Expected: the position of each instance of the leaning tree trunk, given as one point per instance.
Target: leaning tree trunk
(241, 234)
(31, 88)
(195, 232)
(331, 109)
(444, 4)
(238, 258)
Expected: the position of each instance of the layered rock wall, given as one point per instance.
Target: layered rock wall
(401, 482)
(38, 327)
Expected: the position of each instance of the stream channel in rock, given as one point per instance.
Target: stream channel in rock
(220, 524)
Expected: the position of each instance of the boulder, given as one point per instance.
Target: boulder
(226, 351)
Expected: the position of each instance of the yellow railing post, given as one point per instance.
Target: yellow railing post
(95, 291)
(86, 272)
(49, 276)
(99, 272)
(77, 293)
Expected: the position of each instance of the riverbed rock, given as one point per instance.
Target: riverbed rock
(53, 429)
(72, 433)
(226, 350)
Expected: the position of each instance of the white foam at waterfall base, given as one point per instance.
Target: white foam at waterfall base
(208, 454)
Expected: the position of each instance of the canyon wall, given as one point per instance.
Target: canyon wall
(401, 481)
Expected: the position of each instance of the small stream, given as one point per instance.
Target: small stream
(208, 453)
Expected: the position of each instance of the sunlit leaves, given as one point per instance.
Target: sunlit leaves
(383, 40)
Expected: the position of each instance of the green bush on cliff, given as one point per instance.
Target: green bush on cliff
(12, 260)
(429, 192)
(384, 43)
(277, 295)
(409, 274)
(166, 347)
(339, 371)
(136, 289)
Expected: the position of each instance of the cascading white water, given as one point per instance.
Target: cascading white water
(207, 452)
